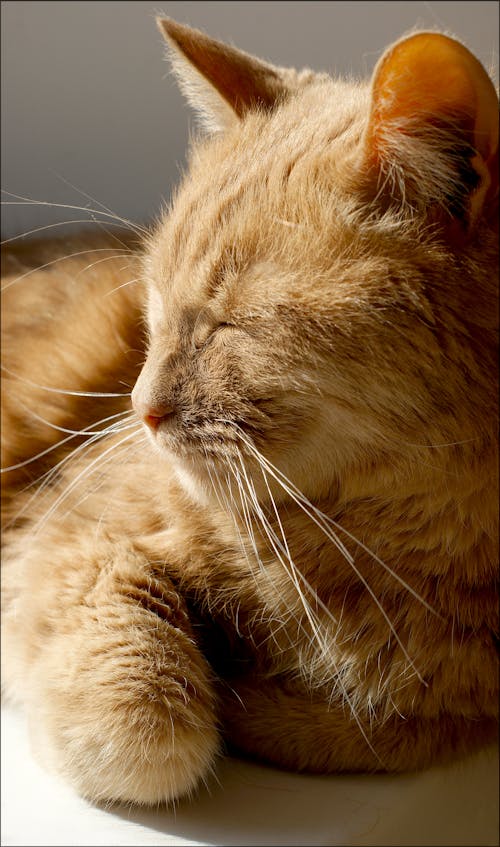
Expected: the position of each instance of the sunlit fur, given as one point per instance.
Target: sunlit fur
(301, 561)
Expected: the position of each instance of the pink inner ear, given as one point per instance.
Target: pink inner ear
(430, 77)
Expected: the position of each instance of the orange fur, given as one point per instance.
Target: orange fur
(299, 559)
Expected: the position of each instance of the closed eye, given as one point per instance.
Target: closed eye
(203, 337)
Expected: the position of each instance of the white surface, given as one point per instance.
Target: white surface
(253, 805)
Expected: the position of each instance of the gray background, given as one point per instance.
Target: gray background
(87, 97)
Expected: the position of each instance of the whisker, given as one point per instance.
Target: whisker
(38, 455)
(229, 506)
(356, 570)
(130, 224)
(61, 223)
(105, 259)
(322, 517)
(93, 490)
(64, 391)
(59, 444)
(215, 484)
(248, 508)
(316, 635)
(44, 480)
(76, 431)
(246, 505)
(292, 571)
(437, 444)
(297, 571)
(246, 516)
(32, 202)
(123, 285)
(59, 259)
(82, 475)
(386, 567)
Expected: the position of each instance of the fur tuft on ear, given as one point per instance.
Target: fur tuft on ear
(432, 136)
(219, 81)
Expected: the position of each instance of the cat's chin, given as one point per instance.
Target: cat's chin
(202, 477)
(211, 486)
(191, 474)
(192, 483)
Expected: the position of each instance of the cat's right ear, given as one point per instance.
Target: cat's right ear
(219, 81)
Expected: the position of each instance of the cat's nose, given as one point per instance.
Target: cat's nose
(154, 416)
(151, 413)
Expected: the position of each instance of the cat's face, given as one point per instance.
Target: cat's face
(287, 310)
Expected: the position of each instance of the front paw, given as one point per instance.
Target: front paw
(125, 716)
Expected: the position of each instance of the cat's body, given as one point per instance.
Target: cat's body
(305, 563)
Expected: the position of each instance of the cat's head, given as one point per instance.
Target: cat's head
(322, 288)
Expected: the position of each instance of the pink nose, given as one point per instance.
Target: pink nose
(151, 413)
(154, 417)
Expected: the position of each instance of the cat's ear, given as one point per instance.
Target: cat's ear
(432, 135)
(220, 82)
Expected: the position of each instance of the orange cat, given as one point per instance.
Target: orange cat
(288, 547)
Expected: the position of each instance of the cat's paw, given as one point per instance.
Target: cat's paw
(127, 717)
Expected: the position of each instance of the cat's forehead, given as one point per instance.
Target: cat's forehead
(249, 195)
(326, 116)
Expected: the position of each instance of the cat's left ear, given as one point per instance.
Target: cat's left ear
(219, 81)
(432, 136)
